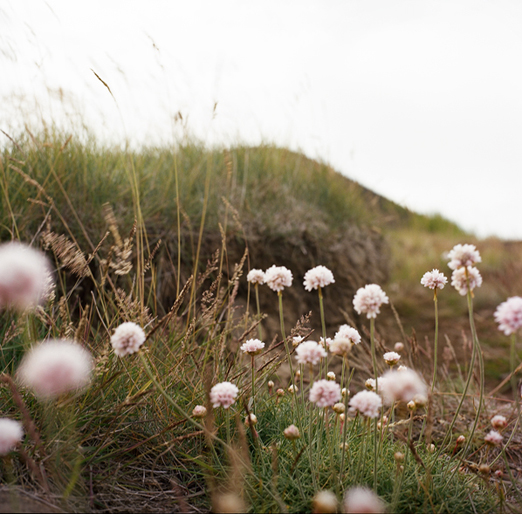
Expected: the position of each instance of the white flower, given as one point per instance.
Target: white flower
(127, 339)
(368, 300)
(509, 315)
(367, 403)
(253, 346)
(493, 438)
(325, 393)
(256, 276)
(199, 411)
(25, 276)
(498, 422)
(11, 434)
(291, 433)
(309, 352)
(55, 367)
(320, 276)
(403, 385)
(362, 499)
(462, 256)
(434, 279)
(278, 277)
(297, 340)
(324, 502)
(341, 346)
(223, 395)
(348, 332)
(324, 344)
(391, 358)
(460, 282)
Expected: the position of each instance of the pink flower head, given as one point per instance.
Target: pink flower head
(278, 277)
(291, 433)
(253, 346)
(325, 393)
(309, 352)
(363, 500)
(199, 411)
(223, 395)
(401, 386)
(509, 315)
(25, 276)
(11, 434)
(460, 282)
(341, 346)
(498, 422)
(462, 256)
(369, 299)
(348, 332)
(325, 343)
(320, 276)
(493, 438)
(391, 358)
(256, 276)
(55, 367)
(434, 279)
(127, 339)
(367, 403)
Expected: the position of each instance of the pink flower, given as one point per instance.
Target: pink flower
(253, 346)
(55, 367)
(320, 276)
(291, 433)
(363, 500)
(460, 282)
(309, 352)
(369, 299)
(401, 385)
(25, 276)
(256, 276)
(367, 403)
(434, 279)
(199, 411)
(11, 434)
(325, 393)
(341, 346)
(278, 277)
(498, 422)
(509, 315)
(391, 358)
(348, 332)
(493, 438)
(462, 256)
(223, 395)
(127, 339)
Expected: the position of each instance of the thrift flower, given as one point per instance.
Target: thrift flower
(297, 340)
(127, 339)
(493, 438)
(251, 419)
(434, 279)
(330, 375)
(398, 347)
(341, 346)
(223, 395)
(292, 389)
(291, 433)
(325, 393)
(367, 403)
(391, 358)
(278, 277)
(498, 422)
(460, 282)
(320, 276)
(25, 276)
(462, 256)
(348, 332)
(509, 315)
(324, 502)
(368, 300)
(256, 276)
(325, 343)
(309, 352)
(362, 499)
(55, 367)
(403, 385)
(338, 408)
(253, 346)
(11, 434)
(199, 411)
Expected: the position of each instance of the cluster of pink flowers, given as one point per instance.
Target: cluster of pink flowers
(498, 422)
(434, 279)
(463, 256)
(391, 358)
(320, 276)
(256, 276)
(366, 403)
(401, 385)
(325, 393)
(253, 346)
(55, 367)
(348, 332)
(368, 300)
(223, 395)
(493, 438)
(341, 346)
(310, 352)
(278, 277)
(509, 315)
(127, 339)
(362, 499)
(25, 276)
(462, 259)
(461, 276)
(11, 434)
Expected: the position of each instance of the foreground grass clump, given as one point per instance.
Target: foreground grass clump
(150, 424)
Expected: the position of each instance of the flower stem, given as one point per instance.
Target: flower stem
(374, 358)
(513, 378)
(435, 342)
(259, 331)
(323, 326)
(282, 321)
(253, 383)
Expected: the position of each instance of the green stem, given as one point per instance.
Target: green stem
(253, 383)
(374, 358)
(512, 360)
(282, 321)
(435, 353)
(259, 331)
(323, 326)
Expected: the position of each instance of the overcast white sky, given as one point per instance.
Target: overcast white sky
(419, 100)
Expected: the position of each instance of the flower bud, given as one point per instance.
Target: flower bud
(345, 445)
(484, 469)
(330, 375)
(344, 391)
(420, 401)
(298, 374)
(431, 448)
(399, 457)
(324, 502)
(280, 392)
(461, 439)
(270, 385)
(293, 389)
(370, 384)
(291, 433)
(411, 405)
(398, 347)
(251, 419)
(338, 408)
(341, 416)
(199, 411)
